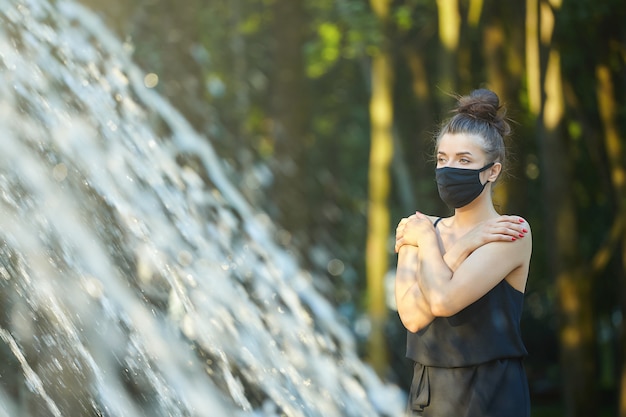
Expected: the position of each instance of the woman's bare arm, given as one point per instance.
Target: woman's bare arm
(413, 308)
(448, 291)
(423, 283)
(499, 229)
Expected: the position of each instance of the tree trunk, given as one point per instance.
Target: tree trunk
(449, 19)
(576, 334)
(502, 53)
(381, 154)
(607, 109)
(622, 342)
(289, 114)
(533, 67)
(474, 13)
(419, 149)
(494, 40)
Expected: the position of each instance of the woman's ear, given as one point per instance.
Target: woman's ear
(494, 172)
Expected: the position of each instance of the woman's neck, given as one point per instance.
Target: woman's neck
(477, 211)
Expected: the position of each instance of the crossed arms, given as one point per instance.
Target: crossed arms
(432, 281)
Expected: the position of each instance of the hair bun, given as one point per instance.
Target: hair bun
(483, 104)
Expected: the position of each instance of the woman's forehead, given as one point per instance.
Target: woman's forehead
(453, 143)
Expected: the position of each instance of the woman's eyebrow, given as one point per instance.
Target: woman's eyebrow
(462, 153)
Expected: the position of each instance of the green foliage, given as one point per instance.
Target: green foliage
(339, 30)
(325, 52)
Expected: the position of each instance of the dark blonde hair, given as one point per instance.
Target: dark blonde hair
(480, 114)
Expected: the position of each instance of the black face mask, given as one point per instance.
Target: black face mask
(457, 186)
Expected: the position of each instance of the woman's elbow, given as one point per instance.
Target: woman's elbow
(440, 306)
(413, 326)
(415, 322)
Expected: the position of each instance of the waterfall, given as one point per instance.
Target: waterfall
(134, 278)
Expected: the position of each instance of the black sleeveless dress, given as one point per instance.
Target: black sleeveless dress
(470, 364)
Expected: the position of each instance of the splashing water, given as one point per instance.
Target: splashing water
(134, 279)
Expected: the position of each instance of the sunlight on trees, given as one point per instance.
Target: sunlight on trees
(533, 70)
(381, 153)
(475, 10)
(449, 23)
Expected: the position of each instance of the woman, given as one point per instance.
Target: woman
(460, 280)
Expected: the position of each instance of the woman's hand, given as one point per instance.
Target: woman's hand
(411, 230)
(498, 229)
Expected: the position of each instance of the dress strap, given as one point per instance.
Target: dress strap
(437, 221)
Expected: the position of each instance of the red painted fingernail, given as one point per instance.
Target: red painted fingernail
(521, 220)
(512, 238)
(521, 235)
(524, 230)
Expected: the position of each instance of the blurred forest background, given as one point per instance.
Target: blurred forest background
(323, 112)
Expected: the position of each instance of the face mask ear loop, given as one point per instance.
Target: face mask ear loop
(486, 167)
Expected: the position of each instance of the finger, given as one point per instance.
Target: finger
(403, 222)
(506, 238)
(507, 219)
(511, 223)
(501, 237)
(513, 231)
(516, 220)
(513, 219)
